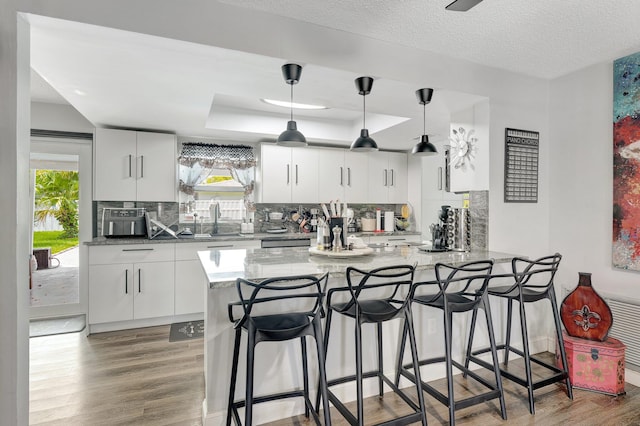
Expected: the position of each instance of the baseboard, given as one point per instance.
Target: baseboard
(632, 377)
(147, 322)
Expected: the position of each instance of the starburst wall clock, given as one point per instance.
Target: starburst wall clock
(463, 149)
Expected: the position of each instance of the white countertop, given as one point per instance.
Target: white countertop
(223, 266)
(100, 241)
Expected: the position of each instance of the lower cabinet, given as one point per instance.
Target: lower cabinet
(130, 282)
(132, 291)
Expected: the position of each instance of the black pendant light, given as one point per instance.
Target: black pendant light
(291, 136)
(424, 147)
(364, 143)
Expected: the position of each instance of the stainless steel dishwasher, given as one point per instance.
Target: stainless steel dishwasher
(271, 242)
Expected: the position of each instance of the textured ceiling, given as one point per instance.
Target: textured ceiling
(540, 38)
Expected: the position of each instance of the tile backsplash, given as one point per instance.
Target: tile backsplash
(170, 215)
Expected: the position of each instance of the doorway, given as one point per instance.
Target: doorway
(59, 280)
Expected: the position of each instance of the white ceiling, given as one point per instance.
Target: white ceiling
(540, 38)
(123, 79)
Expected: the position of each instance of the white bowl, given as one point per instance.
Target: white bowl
(275, 216)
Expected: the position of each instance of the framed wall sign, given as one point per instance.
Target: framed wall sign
(521, 149)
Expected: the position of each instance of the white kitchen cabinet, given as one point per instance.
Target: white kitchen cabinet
(289, 174)
(131, 282)
(433, 190)
(134, 166)
(343, 175)
(387, 177)
(191, 284)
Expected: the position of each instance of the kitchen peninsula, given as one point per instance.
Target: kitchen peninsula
(277, 366)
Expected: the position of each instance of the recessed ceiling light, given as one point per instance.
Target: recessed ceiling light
(287, 104)
(79, 92)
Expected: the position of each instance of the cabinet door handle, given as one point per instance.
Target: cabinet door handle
(439, 178)
(287, 174)
(221, 246)
(385, 177)
(296, 174)
(126, 281)
(139, 278)
(142, 166)
(348, 176)
(138, 249)
(341, 176)
(129, 165)
(393, 179)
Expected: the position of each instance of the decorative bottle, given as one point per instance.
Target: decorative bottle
(584, 313)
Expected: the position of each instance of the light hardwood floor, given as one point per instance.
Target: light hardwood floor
(137, 377)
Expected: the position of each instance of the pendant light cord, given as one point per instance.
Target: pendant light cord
(424, 119)
(291, 103)
(364, 112)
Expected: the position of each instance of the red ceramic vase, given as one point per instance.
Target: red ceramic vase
(584, 313)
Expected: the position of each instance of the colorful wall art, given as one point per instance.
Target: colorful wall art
(626, 162)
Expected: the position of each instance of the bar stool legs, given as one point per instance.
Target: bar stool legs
(234, 377)
(532, 282)
(302, 296)
(459, 289)
(495, 389)
(374, 310)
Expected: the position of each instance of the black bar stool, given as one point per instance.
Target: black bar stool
(276, 310)
(459, 289)
(376, 296)
(532, 281)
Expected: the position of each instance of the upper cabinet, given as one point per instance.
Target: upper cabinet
(288, 174)
(312, 175)
(134, 166)
(343, 175)
(387, 177)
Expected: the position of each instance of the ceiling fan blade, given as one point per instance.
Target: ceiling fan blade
(462, 5)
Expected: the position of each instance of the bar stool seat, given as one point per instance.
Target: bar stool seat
(458, 289)
(278, 310)
(532, 281)
(364, 307)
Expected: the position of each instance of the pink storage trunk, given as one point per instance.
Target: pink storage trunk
(594, 366)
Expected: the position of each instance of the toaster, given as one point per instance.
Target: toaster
(124, 222)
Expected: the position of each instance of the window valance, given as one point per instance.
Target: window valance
(213, 156)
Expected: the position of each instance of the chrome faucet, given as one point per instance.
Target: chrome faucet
(214, 211)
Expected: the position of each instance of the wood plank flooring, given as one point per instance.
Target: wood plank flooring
(137, 377)
(121, 378)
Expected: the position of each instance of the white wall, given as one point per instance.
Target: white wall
(14, 227)
(520, 228)
(581, 123)
(58, 117)
(475, 119)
